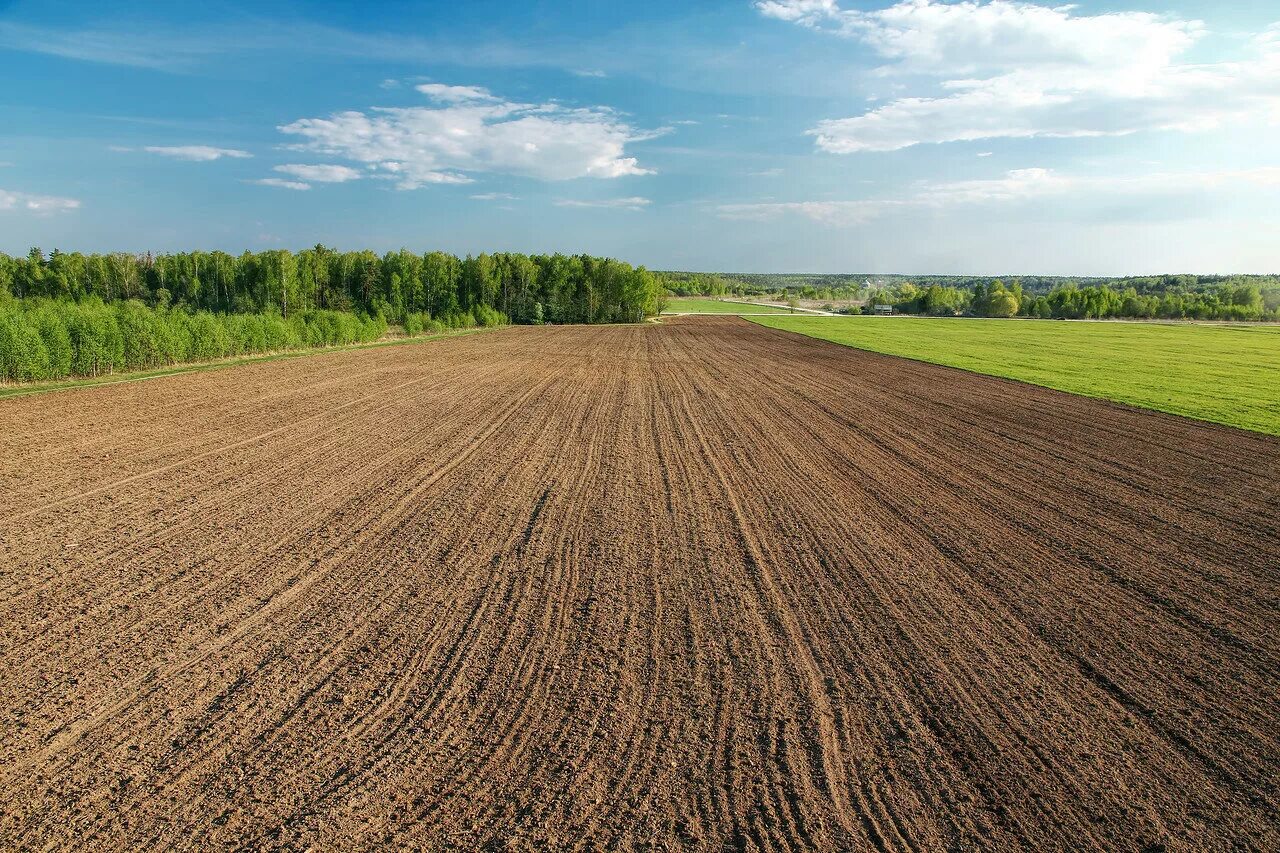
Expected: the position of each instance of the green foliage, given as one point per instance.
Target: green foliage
(413, 323)
(86, 315)
(1225, 374)
(523, 288)
(42, 339)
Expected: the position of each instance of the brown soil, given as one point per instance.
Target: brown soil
(701, 585)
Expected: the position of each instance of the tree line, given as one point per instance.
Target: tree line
(1186, 296)
(71, 314)
(43, 339)
(525, 288)
(1228, 299)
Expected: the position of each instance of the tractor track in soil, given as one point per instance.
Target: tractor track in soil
(696, 585)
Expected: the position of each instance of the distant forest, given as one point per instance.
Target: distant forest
(1193, 297)
(70, 314)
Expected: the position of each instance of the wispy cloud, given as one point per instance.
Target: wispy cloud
(495, 197)
(41, 205)
(468, 129)
(108, 46)
(826, 212)
(1017, 186)
(193, 153)
(632, 203)
(1018, 70)
(455, 94)
(321, 173)
(280, 183)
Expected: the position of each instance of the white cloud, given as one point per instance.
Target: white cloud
(281, 183)
(471, 130)
(454, 94)
(495, 197)
(323, 173)
(985, 153)
(632, 203)
(194, 153)
(810, 13)
(39, 204)
(1015, 185)
(588, 72)
(1015, 69)
(1019, 185)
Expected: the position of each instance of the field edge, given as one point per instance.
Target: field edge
(11, 391)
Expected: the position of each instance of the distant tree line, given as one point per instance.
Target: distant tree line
(1192, 297)
(1241, 299)
(71, 314)
(780, 288)
(704, 284)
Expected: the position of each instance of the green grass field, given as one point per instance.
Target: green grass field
(1225, 374)
(681, 304)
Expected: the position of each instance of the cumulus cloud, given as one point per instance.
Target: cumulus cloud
(323, 173)
(194, 153)
(1019, 185)
(810, 13)
(467, 129)
(1007, 68)
(39, 204)
(281, 183)
(632, 203)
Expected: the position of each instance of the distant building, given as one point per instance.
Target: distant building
(884, 310)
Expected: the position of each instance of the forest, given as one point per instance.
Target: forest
(71, 314)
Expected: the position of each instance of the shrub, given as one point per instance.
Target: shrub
(412, 324)
(22, 352)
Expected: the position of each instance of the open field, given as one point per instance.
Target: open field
(695, 305)
(692, 585)
(1225, 374)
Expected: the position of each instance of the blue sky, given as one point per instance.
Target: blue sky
(786, 135)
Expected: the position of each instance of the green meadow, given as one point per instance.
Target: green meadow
(696, 305)
(1224, 374)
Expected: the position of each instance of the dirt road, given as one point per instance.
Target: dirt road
(700, 585)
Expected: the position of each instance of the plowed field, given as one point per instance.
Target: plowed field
(698, 585)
